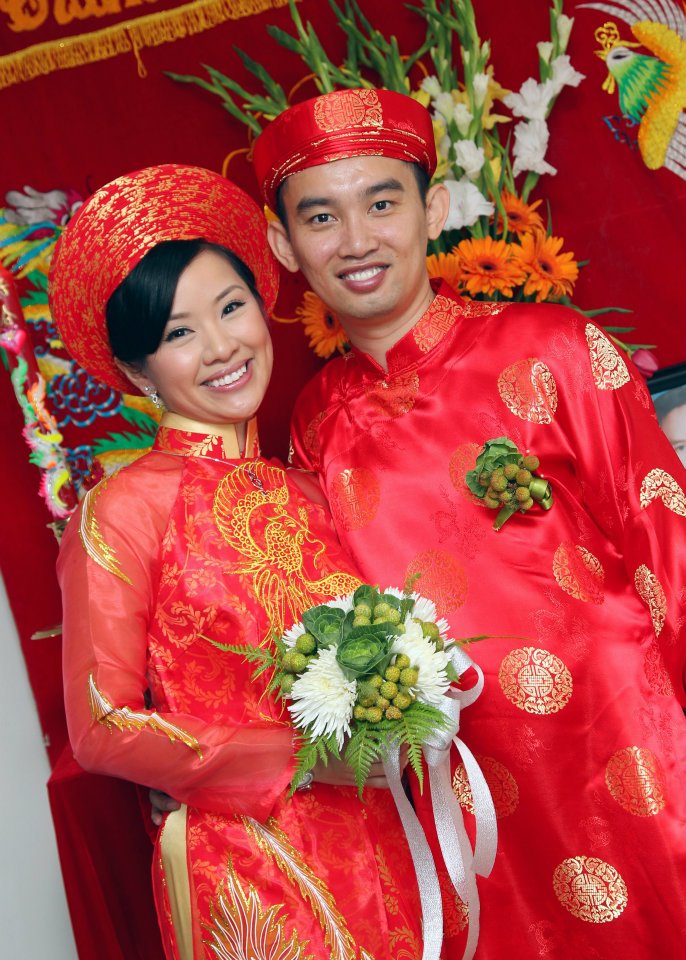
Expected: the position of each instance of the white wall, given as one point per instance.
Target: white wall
(34, 921)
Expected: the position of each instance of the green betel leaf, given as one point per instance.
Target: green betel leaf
(472, 481)
(324, 623)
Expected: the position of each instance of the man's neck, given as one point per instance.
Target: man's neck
(378, 337)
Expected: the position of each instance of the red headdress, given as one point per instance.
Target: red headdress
(335, 126)
(125, 219)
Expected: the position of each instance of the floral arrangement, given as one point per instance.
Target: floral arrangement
(507, 481)
(361, 674)
(495, 245)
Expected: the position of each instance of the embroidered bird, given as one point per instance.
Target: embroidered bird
(652, 89)
(254, 516)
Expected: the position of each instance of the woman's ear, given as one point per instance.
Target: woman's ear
(136, 375)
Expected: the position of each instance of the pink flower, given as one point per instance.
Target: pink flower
(645, 361)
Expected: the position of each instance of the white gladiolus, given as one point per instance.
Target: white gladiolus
(462, 117)
(531, 143)
(545, 50)
(480, 87)
(470, 157)
(532, 101)
(467, 204)
(564, 29)
(431, 86)
(444, 104)
(444, 145)
(564, 74)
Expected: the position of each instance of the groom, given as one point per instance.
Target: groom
(580, 730)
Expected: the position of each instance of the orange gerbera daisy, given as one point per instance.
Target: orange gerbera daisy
(446, 266)
(521, 217)
(551, 274)
(488, 266)
(326, 335)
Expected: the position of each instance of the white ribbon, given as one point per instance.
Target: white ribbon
(462, 863)
(424, 866)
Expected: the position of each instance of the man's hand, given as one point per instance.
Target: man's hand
(161, 803)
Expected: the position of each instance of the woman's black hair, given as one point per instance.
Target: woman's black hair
(138, 310)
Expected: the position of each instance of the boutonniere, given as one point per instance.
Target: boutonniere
(506, 480)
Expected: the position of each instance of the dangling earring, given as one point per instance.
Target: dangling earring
(152, 393)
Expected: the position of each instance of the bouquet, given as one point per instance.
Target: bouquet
(507, 481)
(361, 674)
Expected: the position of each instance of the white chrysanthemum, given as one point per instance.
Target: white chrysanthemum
(343, 603)
(291, 635)
(531, 143)
(470, 157)
(532, 101)
(423, 609)
(430, 662)
(564, 74)
(323, 698)
(467, 204)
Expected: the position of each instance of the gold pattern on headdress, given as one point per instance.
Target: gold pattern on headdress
(250, 511)
(273, 842)
(660, 485)
(656, 671)
(635, 779)
(501, 783)
(241, 927)
(91, 537)
(354, 497)
(102, 711)
(535, 680)
(607, 366)
(393, 396)
(435, 323)
(651, 592)
(528, 389)
(579, 573)
(441, 578)
(348, 108)
(590, 889)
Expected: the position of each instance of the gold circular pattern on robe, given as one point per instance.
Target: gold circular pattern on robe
(394, 396)
(660, 485)
(656, 672)
(482, 308)
(591, 889)
(433, 326)
(455, 920)
(354, 497)
(651, 592)
(528, 389)
(311, 439)
(461, 462)
(441, 579)
(607, 365)
(501, 783)
(579, 573)
(635, 779)
(535, 680)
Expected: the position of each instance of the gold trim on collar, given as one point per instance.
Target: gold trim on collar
(226, 432)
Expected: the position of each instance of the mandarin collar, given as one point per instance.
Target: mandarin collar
(191, 438)
(440, 316)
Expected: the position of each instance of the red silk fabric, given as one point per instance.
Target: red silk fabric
(579, 729)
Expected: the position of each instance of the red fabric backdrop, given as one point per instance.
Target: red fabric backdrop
(82, 126)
